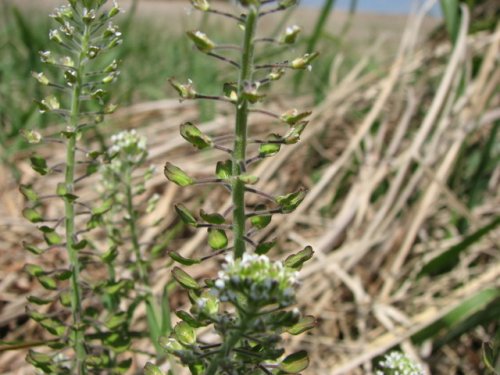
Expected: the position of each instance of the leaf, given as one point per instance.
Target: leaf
(195, 136)
(248, 179)
(185, 215)
(39, 165)
(261, 221)
(217, 239)
(39, 301)
(47, 282)
(180, 259)
(489, 357)
(116, 320)
(119, 342)
(80, 245)
(449, 259)
(32, 215)
(188, 319)
(295, 362)
(52, 238)
(290, 202)
(293, 116)
(177, 175)
(104, 207)
(32, 249)
(110, 255)
(151, 369)
(264, 247)
(184, 279)
(33, 270)
(305, 324)
(54, 326)
(293, 135)
(269, 149)
(214, 218)
(224, 169)
(28, 192)
(185, 334)
(295, 261)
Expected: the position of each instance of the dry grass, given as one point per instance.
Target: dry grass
(392, 138)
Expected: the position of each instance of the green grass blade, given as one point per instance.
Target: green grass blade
(450, 258)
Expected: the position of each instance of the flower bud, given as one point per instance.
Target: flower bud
(114, 10)
(304, 61)
(276, 74)
(290, 35)
(88, 16)
(201, 41)
(202, 5)
(41, 78)
(55, 36)
(46, 57)
(293, 116)
(186, 91)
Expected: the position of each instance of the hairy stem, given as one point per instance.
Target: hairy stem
(240, 142)
(69, 210)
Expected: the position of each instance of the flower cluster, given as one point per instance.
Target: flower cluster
(256, 279)
(396, 363)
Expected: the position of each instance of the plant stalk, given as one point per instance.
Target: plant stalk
(240, 141)
(69, 211)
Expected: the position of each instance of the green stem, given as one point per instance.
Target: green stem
(151, 305)
(240, 141)
(69, 211)
(224, 352)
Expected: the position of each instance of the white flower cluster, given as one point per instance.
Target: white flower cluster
(129, 146)
(257, 278)
(396, 363)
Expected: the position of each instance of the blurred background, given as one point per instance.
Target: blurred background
(400, 159)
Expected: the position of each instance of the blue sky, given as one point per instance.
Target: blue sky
(379, 6)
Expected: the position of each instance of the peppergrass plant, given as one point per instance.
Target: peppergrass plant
(79, 75)
(250, 302)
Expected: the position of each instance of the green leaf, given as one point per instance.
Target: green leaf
(185, 215)
(217, 238)
(63, 275)
(65, 298)
(118, 287)
(295, 362)
(260, 221)
(180, 259)
(293, 135)
(61, 189)
(293, 116)
(33, 270)
(47, 282)
(80, 245)
(104, 207)
(119, 342)
(39, 165)
(305, 324)
(264, 247)
(28, 192)
(269, 149)
(109, 256)
(42, 361)
(52, 238)
(39, 301)
(185, 334)
(295, 261)
(214, 218)
(195, 136)
(151, 369)
(290, 202)
(184, 279)
(224, 169)
(116, 320)
(32, 249)
(447, 260)
(248, 179)
(490, 358)
(54, 326)
(177, 175)
(32, 215)
(188, 319)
